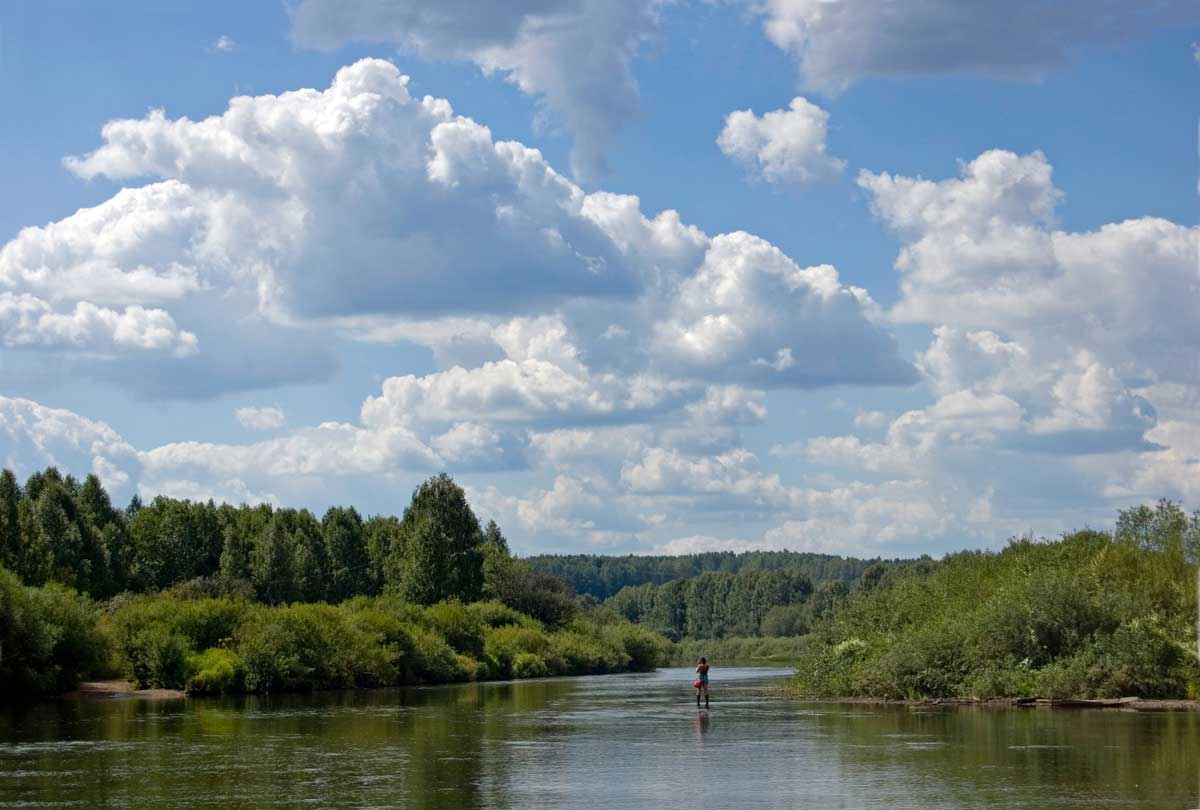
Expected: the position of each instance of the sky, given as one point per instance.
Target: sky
(643, 276)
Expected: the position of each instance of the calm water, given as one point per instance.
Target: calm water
(611, 742)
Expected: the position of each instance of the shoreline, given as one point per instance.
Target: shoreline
(1129, 704)
(118, 690)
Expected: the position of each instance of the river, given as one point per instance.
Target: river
(612, 742)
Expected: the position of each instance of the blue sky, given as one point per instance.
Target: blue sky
(1007, 343)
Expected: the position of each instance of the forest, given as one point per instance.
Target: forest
(603, 577)
(186, 595)
(1089, 615)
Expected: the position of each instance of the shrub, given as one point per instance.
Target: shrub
(434, 661)
(304, 647)
(503, 644)
(529, 665)
(497, 614)
(157, 658)
(215, 672)
(48, 636)
(458, 626)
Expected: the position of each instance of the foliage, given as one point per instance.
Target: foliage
(438, 554)
(732, 649)
(603, 577)
(712, 604)
(1088, 615)
(48, 638)
(228, 646)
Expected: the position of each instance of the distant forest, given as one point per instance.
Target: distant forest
(602, 576)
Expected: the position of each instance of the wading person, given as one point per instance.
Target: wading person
(702, 681)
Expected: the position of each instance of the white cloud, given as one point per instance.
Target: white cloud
(265, 418)
(870, 420)
(783, 146)
(575, 56)
(29, 322)
(223, 44)
(840, 42)
(35, 436)
(750, 314)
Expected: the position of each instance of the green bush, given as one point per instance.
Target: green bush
(529, 665)
(304, 647)
(434, 661)
(497, 614)
(48, 638)
(460, 627)
(157, 658)
(1084, 616)
(215, 672)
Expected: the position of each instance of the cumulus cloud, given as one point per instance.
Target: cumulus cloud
(265, 418)
(840, 42)
(576, 56)
(223, 44)
(36, 436)
(782, 146)
(750, 314)
(365, 210)
(29, 322)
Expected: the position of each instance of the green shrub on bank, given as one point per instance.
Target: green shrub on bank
(48, 638)
(216, 672)
(1091, 615)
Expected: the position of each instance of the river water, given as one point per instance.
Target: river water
(611, 742)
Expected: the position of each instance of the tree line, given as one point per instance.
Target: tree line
(716, 605)
(603, 576)
(55, 528)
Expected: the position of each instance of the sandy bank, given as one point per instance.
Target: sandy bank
(121, 690)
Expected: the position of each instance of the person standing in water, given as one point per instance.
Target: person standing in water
(702, 681)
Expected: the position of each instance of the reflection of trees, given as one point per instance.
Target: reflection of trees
(437, 747)
(1004, 758)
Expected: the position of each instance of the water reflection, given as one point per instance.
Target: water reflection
(611, 741)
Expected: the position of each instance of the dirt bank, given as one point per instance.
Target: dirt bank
(121, 690)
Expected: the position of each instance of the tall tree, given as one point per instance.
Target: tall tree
(10, 526)
(439, 555)
(349, 564)
(272, 565)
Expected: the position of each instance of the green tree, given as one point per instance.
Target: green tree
(439, 555)
(349, 563)
(272, 565)
(10, 525)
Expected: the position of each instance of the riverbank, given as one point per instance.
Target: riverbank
(120, 690)
(1131, 704)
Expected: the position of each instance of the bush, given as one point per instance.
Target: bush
(504, 644)
(215, 672)
(305, 647)
(529, 665)
(434, 661)
(497, 614)
(157, 658)
(458, 626)
(1084, 616)
(48, 637)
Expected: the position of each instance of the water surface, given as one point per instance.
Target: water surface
(613, 741)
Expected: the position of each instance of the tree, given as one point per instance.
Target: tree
(1161, 528)
(272, 567)
(493, 537)
(440, 552)
(10, 525)
(311, 556)
(349, 564)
